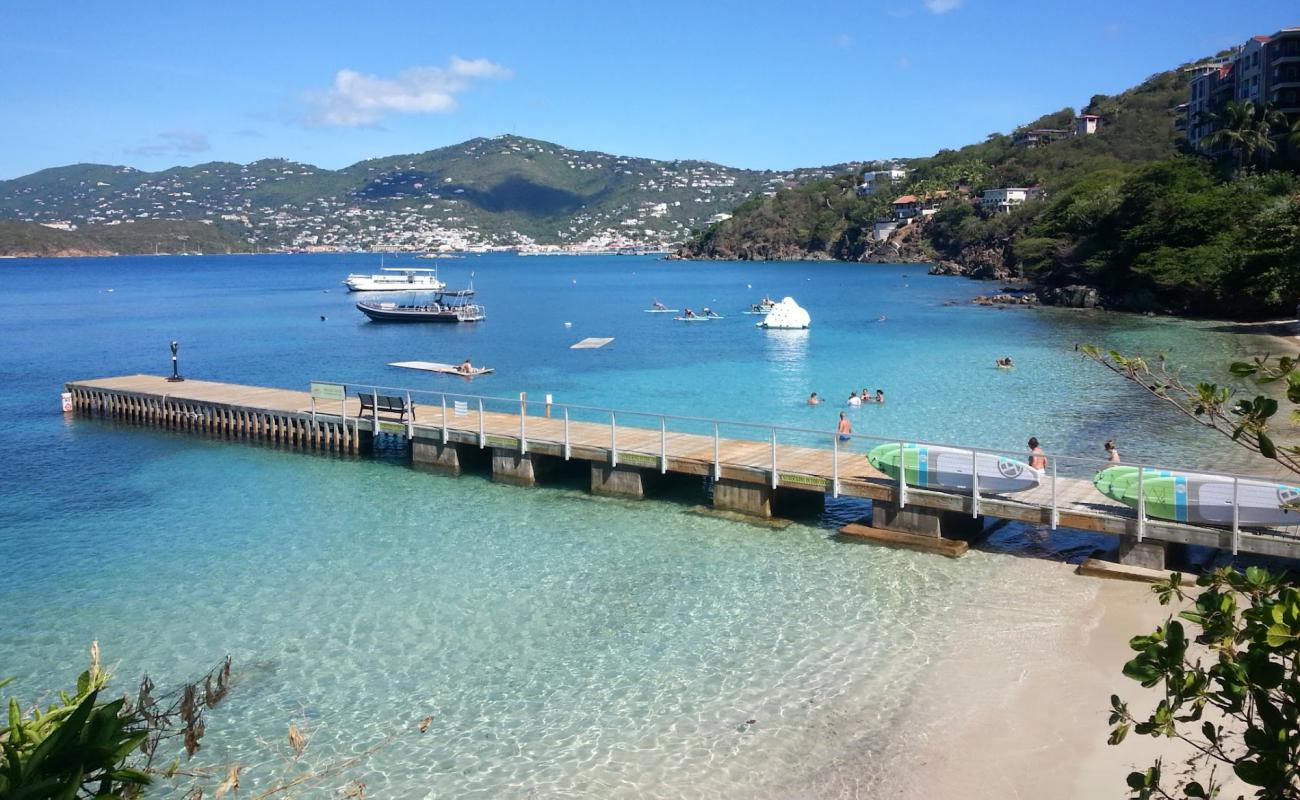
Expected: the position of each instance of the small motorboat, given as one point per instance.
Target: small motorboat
(454, 306)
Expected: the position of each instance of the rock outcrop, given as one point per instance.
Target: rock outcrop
(1073, 296)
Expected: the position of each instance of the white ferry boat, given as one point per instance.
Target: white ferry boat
(396, 279)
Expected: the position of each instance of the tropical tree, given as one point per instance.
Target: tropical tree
(84, 746)
(1248, 421)
(1230, 693)
(1248, 129)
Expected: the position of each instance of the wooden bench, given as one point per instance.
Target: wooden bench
(386, 403)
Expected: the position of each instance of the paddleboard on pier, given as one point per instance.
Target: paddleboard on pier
(936, 467)
(1201, 498)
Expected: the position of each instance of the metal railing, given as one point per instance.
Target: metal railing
(1083, 467)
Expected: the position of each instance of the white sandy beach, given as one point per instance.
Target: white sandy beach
(1019, 707)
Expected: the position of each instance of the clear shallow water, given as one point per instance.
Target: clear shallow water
(565, 645)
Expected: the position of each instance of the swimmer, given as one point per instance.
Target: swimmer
(1112, 455)
(854, 400)
(846, 428)
(814, 400)
(880, 395)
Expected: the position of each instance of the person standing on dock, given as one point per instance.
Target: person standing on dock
(1037, 458)
(846, 428)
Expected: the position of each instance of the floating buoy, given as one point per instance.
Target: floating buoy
(322, 317)
(568, 324)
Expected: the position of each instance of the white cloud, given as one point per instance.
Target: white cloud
(943, 6)
(359, 99)
(176, 142)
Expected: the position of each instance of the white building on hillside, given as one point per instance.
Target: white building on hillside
(1003, 200)
(871, 180)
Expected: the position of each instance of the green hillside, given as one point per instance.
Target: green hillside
(29, 239)
(505, 190)
(1124, 210)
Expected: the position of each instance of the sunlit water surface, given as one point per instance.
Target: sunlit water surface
(564, 645)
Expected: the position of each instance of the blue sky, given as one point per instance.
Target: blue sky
(751, 84)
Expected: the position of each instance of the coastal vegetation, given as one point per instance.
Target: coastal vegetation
(28, 239)
(1230, 688)
(84, 745)
(1128, 211)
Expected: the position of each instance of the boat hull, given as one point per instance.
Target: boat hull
(399, 314)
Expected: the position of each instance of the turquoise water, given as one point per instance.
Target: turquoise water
(565, 646)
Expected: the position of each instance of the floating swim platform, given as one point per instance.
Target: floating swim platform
(447, 369)
(693, 319)
(591, 343)
(663, 311)
(936, 467)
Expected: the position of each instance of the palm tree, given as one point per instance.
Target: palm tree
(1245, 130)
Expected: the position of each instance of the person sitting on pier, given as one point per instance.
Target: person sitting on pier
(814, 400)
(465, 367)
(845, 428)
(854, 400)
(1037, 458)
(880, 395)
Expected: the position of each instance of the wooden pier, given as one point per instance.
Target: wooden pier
(521, 444)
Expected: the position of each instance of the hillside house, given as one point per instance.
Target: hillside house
(1086, 124)
(1001, 201)
(1038, 136)
(872, 180)
(906, 207)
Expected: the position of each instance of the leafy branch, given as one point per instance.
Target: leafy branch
(1249, 632)
(1246, 421)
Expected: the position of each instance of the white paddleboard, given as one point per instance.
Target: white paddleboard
(447, 369)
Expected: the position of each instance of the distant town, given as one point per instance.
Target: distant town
(460, 199)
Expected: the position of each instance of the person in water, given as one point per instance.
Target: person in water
(1005, 362)
(814, 400)
(845, 428)
(880, 395)
(866, 395)
(1112, 454)
(465, 367)
(854, 400)
(1037, 458)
